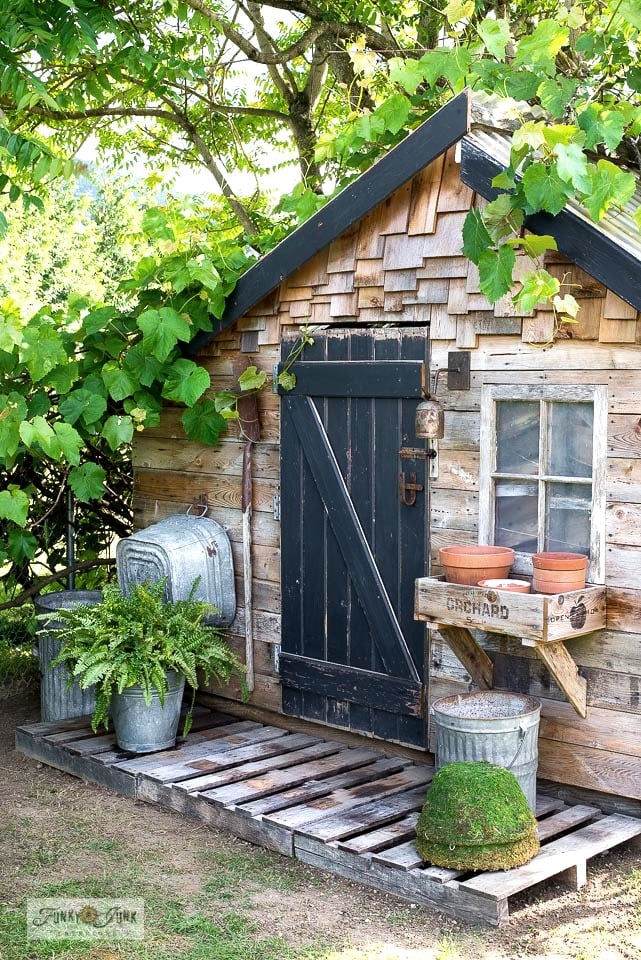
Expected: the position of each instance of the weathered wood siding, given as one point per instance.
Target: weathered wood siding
(402, 265)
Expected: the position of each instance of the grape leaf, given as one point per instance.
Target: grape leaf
(203, 423)
(14, 506)
(537, 285)
(118, 431)
(21, 545)
(162, 329)
(252, 379)
(476, 239)
(83, 404)
(117, 381)
(544, 189)
(186, 382)
(87, 481)
(495, 34)
(495, 271)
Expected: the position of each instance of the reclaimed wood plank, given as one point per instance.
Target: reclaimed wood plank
(253, 789)
(312, 790)
(472, 656)
(69, 736)
(83, 767)
(566, 673)
(220, 738)
(557, 856)
(394, 780)
(409, 885)
(402, 857)
(269, 755)
(48, 727)
(92, 745)
(565, 820)
(282, 761)
(378, 812)
(211, 759)
(375, 840)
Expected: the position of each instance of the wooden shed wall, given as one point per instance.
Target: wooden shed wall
(402, 265)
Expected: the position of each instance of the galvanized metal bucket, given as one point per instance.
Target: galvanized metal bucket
(182, 548)
(142, 728)
(491, 725)
(57, 702)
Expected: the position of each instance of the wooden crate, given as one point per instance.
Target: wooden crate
(350, 810)
(544, 618)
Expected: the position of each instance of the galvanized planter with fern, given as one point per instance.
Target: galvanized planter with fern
(134, 640)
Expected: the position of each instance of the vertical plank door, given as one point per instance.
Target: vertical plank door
(352, 653)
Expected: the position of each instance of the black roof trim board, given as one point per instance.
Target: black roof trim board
(579, 240)
(409, 157)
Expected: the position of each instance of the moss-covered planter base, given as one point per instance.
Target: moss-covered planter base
(475, 817)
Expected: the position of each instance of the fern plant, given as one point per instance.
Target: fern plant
(132, 640)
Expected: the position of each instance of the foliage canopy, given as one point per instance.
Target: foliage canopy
(317, 88)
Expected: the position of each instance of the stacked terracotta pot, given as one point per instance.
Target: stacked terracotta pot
(487, 566)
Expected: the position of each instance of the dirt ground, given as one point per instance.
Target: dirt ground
(601, 922)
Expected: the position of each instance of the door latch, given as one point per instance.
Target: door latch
(407, 491)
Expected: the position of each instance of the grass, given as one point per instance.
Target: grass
(18, 665)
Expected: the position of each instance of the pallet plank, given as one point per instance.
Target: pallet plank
(558, 856)
(378, 812)
(566, 820)
(220, 738)
(315, 789)
(206, 757)
(257, 787)
(386, 836)
(402, 857)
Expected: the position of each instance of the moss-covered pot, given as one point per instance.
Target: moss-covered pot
(475, 817)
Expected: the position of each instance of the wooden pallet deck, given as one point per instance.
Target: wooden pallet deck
(348, 810)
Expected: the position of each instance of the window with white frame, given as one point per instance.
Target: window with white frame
(543, 455)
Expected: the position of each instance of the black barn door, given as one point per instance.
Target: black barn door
(352, 654)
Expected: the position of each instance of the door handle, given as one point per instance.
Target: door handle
(407, 491)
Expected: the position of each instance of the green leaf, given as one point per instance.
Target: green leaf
(118, 431)
(117, 381)
(83, 404)
(203, 423)
(14, 505)
(536, 286)
(572, 165)
(609, 186)
(544, 189)
(287, 380)
(476, 239)
(502, 216)
(495, 271)
(535, 245)
(602, 126)
(556, 94)
(41, 350)
(162, 329)
(142, 365)
(457, 10)
(87, 481)
(21, 545)
(495, 34)
(186, 382)
(408, 74)
(37, 433)
(252, 379)
(69, 444)
(156, 225)
(540, 48)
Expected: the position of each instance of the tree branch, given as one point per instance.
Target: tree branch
(35, 588)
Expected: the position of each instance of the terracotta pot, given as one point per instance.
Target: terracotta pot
(559, 561)
(471, 563)
(508, 586)
(558, 581)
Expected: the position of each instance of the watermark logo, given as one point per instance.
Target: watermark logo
(91, 918)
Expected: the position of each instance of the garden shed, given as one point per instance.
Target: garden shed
(350, 508)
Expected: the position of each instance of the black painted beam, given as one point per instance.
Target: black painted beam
(581, 241)
(408, 158)
(359, 378)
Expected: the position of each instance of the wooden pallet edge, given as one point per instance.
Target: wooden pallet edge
(78, 766)
(409, 885)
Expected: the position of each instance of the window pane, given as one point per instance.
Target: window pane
(517, 437)
(568, 517)
(516, 515)
(571, 426)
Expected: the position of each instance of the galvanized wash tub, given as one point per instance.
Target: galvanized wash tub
(491, 725)
(180, 549)
(57, 702)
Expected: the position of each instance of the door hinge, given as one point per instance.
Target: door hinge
(277, 506)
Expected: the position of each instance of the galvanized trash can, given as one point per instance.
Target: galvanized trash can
(502, 728)
(182, 548)
(56, 701)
